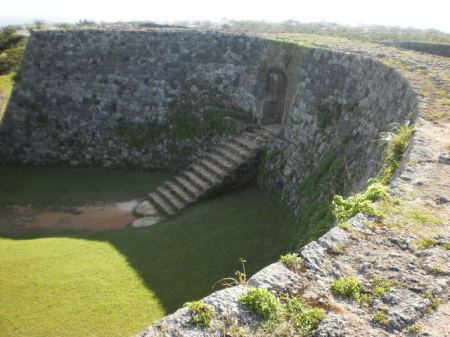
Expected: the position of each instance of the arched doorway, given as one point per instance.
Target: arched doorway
(273, 106)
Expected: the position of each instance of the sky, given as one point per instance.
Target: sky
(404, 13)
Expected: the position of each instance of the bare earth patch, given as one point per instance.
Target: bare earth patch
(91, 217)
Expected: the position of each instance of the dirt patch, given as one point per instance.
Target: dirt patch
(95, 217)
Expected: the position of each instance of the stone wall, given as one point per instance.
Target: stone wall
(158, 99)
(337, 105)
(112, 98)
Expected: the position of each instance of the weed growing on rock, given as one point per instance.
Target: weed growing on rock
(415, 329)
(426, 243)
(337, 250)
(292, 261)
(350, 287)
(241, 277)
(347, 287)
(437, 271)
(344, 225)
(361, 202)
(283, 316)
(202, 313)
(396, 142)
(380, 317)
(446, 246)
(304, 317)
(434, 302)
(261, 301)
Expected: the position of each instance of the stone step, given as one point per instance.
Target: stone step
(246, 142)
(189, 187)
(178, 190)
(230, 155)
(205, 174)
(239, 150)
(263, 132)
(272, 128)
(174, 201)
(161, 203)
(210, 166)
(221, 161)
(204, 185)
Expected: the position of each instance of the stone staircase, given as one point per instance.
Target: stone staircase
(202, 176)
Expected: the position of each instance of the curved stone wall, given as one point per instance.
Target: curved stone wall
(129, 98)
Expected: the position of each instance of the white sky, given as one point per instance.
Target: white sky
(405, 13)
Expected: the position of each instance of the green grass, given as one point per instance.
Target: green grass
(41, 186)
(6, 86)
(114, 283)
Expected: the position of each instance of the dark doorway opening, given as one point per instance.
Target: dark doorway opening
(273, 107)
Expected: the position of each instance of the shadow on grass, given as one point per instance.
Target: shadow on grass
(180, 259)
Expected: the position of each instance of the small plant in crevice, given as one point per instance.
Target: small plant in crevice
(241, 277)
(288, 314)
(303, 316)
(350, 287)
(201, 313)
(261, 301)
(396, 143)
(435, 302)
(426, 243)
(360, 202)
(344, 225)
(380, 317)
(415, 328)
(437, 271)
(293, 262)
(347, 287)
(339, 249)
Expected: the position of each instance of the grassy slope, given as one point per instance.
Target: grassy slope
(6, 86)
(114, 283)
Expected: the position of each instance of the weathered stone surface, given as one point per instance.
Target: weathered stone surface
(145, 208)
(226, 304)
(276, 276)
(332, 238)
(146, 221)
(444, 159)
(332, 326)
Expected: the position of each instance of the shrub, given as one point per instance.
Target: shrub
(380, 317)
(293, 261)
(202, 313)
(347, 287)
(304, 317)
(361, 202)
(260, 301)
(415, 329)
(396, 142)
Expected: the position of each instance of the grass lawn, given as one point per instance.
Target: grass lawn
(114, 283)
(43, 186)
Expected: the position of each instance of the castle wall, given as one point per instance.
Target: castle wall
(158, 99)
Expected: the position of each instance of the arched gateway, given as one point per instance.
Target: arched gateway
(273, 106)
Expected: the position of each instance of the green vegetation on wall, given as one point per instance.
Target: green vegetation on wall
(318, 202)
(187, 122)
(315, 194)
(331, 112)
